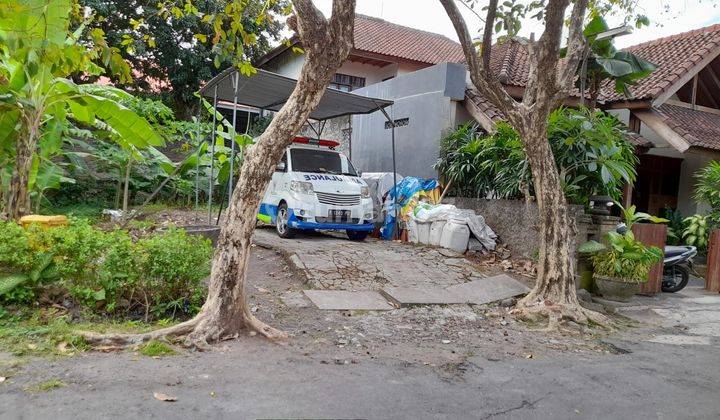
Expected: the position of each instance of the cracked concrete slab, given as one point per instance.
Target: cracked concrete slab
(335, 263)
(489, 289)
(346, 300)
(430, 295)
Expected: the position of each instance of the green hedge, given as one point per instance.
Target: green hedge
(105, 272)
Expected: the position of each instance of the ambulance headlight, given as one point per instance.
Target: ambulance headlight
(302, 187)
(365, 192)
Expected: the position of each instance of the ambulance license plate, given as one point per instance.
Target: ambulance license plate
(339, 215)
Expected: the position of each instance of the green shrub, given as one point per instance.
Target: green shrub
(697, 231)
(106, 272)
(626, 258)
(590, 149)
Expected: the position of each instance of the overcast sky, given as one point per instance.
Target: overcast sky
(428, 15)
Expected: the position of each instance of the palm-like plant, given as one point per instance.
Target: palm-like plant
(590, 150)
(605, 62)
(38, 103)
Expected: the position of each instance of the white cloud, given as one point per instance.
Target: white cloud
(667, 17)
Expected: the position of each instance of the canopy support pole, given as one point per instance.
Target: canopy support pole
(197, 158)
(212, 158)
(232, 138)
(319, 130)
(392, 137)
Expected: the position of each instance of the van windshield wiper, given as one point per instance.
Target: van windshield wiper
(326, 171)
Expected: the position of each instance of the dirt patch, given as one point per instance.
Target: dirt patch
(433, 335)
(423, 334)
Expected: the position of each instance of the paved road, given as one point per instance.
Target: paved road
(483, 374)
(251, 379)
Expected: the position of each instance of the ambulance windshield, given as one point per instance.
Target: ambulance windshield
(321, 161)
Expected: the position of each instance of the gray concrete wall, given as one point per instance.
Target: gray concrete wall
(429, 98)
(515, 222)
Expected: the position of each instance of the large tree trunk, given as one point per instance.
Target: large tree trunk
(549, 81)
(225, 312)
(556, 276)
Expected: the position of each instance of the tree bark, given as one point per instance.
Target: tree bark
(225, 312)
(126, 188)
(555, 282)
(18, 196)
(18, 203)
(327, 45)
(549, 83)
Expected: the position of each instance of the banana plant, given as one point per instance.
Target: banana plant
(604, 62)
(43, 271)
(38, 102)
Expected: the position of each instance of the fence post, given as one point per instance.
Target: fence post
(651, 234)
(712, 277)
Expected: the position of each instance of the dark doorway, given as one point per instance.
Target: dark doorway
(657, 184)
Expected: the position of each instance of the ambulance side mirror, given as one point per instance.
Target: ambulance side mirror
(280, 167)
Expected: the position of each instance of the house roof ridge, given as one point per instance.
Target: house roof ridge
(682, 35)
(377, 19)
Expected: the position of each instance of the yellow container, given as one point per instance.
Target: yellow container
(44, 221)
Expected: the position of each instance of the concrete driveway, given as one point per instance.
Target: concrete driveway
(690, 317)
(336, 263)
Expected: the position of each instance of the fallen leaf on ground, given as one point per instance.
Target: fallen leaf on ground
(164, 397)
(32, 346)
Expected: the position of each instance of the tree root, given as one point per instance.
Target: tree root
(262, 328)
(125, 340)
(193, 333)
(558, 314)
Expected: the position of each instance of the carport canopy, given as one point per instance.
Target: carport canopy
(269, 91)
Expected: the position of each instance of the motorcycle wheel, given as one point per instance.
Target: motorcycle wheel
(675, 278)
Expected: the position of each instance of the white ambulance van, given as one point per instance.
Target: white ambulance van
(315, 187)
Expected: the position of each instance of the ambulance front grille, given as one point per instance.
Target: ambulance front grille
(338, 199)
(352, 221)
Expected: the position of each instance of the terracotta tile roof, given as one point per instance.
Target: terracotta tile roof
(699, 128)
(386, 38)
(495, 115)
(509, 61)
(483, 104)
(674, 56)
(637, 140)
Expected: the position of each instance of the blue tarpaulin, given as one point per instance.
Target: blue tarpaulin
(405, 190)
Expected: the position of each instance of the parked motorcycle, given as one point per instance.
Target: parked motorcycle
(677, 264)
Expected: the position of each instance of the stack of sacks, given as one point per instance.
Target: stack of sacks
(449, 227)
(410, 192)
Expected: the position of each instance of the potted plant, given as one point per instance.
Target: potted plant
(623, 266)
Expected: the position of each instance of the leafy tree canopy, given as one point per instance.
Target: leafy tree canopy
(186, 43)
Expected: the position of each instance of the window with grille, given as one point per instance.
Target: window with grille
(346, 83)
(402, 122)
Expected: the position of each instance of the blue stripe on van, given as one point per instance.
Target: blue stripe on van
(269, 210)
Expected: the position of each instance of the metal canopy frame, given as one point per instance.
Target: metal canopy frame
(269, 91)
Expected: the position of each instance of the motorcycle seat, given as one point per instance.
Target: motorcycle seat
(674, 251)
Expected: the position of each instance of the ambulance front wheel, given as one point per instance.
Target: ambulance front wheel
(355, 235)
(281, 222)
